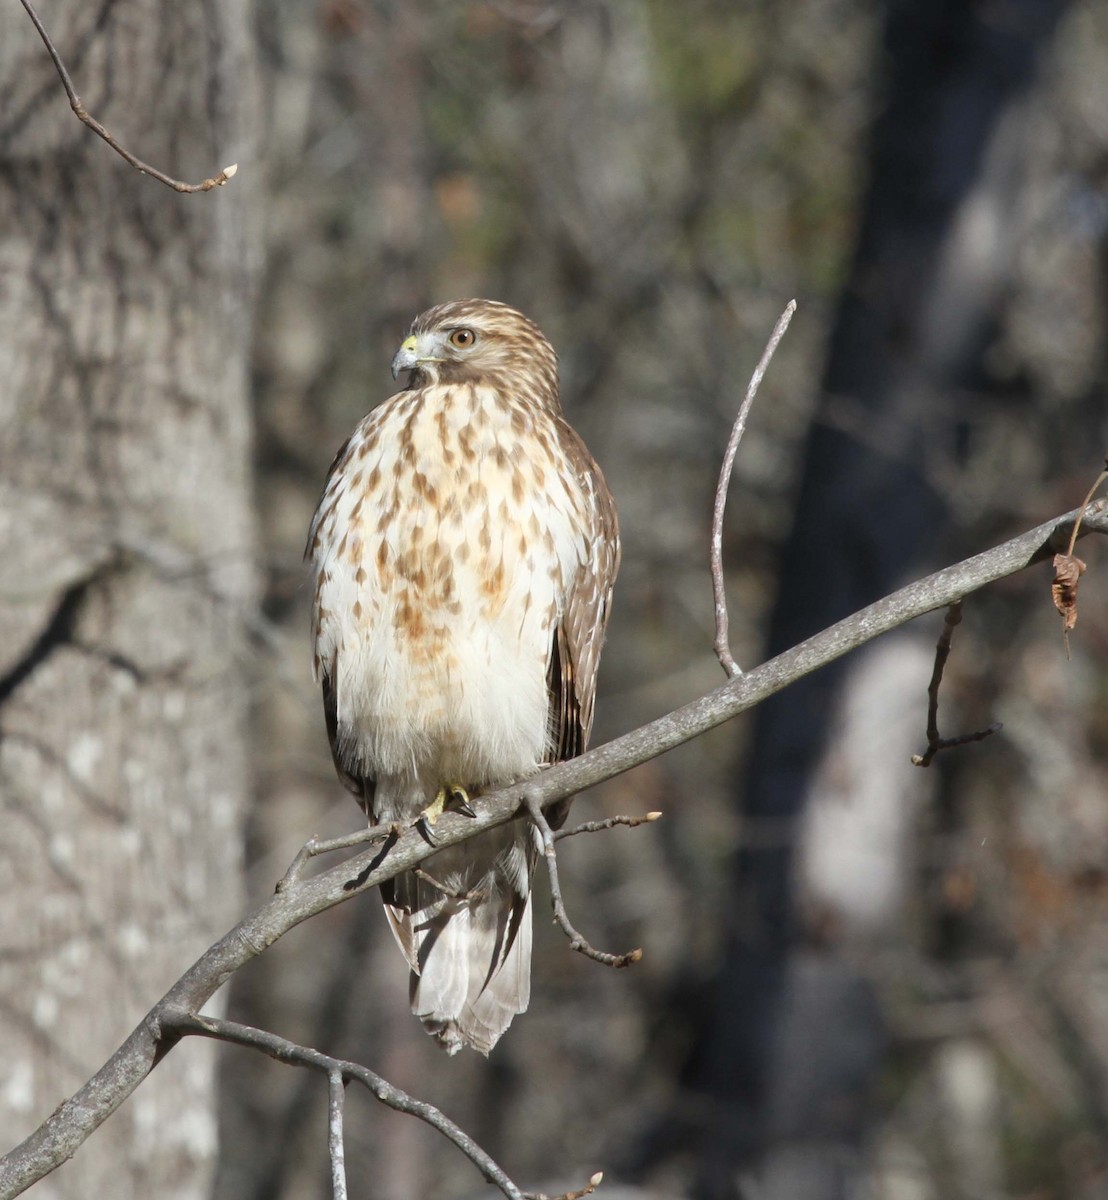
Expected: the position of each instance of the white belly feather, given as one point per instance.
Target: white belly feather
(443, 560)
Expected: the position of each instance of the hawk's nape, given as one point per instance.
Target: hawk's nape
(464, 552)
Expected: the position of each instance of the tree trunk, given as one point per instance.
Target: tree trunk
(127, 569)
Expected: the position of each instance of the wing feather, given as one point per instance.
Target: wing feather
(579, 635)
(361, 785)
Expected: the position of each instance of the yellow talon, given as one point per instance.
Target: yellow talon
(434, 810)
(452, 796)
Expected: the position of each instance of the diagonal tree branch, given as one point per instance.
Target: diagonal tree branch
(58, 1138)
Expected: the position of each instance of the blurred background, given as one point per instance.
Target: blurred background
(861, 979)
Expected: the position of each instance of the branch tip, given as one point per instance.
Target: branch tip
(607, 823)
(587, 1190)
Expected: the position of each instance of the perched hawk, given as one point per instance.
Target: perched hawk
(464, 552)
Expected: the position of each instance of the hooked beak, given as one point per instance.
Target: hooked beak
(407, 357)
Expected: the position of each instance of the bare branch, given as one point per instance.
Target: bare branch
(608, 823)
(561, 917)
(58, 1138)
(935, 742)
(82, 113)
(722, 648)
(336, 1085)
(181, 1024)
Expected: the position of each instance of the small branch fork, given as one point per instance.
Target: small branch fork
(722, 647)
(576, 942)
(339, 1072)
(314, 846)
(935, 742)
(82, 113)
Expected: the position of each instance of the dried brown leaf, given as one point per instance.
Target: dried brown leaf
(1068, 569)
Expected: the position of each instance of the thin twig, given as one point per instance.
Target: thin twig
(336, 1100)
(561, 917)
(76, 1118)
(935, 741)
(722, 647)
(184, 1024)
(82, 113)
(608, 823)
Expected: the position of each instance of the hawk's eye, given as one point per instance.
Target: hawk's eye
(463, 338)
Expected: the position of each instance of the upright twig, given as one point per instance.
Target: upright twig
(722, 645)
(336, 1085)
(84, 115)
(935, 742)
(561, 917)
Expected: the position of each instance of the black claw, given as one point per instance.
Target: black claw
(425, 831)
(459, 803)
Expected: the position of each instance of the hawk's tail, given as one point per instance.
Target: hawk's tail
(468, 941)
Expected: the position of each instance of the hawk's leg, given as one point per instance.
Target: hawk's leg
(451, 797)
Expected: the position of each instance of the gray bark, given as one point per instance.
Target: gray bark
(127, 564)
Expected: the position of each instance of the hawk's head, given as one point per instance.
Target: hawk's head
(479, 341)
